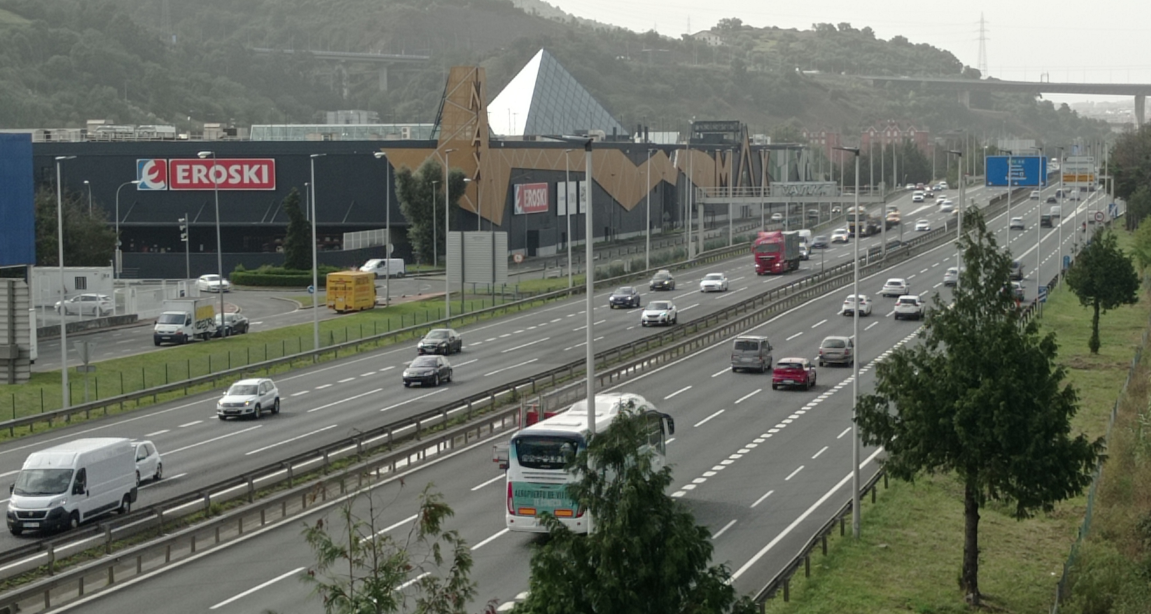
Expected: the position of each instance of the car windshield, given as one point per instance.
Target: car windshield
(713, 277)
(788, 365)
(767, 248)
(834, 343)
(40, 482)
(895, 282)
(437, 334)
(209, 278)
(170, 318)
(424, 362)
(821, 239)
(625, 290)
(243, 390)
(659, 306)
(904, 300)
(661, 276)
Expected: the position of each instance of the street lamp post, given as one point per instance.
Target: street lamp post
(315, 263)
(435, 262)
(730, 197)
(959, 229)
(447, 238)
(1059, 199)
(387, 228)
(568, 210)
(116, 265)
(1039, 206)
(65, 392)
(855, 515)
(589, 283)
(88, 185)
(647, 234)
(219, 244)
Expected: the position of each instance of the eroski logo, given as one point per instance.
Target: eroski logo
(152, 173)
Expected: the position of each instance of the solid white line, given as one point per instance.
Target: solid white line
(526, 362)
(498, 477)
(748, 396)
(818, 453)
(251, 428)
(684, 389)
(795, 523)
(352, 398)
(190, 424)
(422, 396)
(760, 500)
(252, 590)
(298, 437)
(708, 418)
(723, 530)
(792, 475)
(818, 323)
(488, 540)
(794, 336)
(719, 373)
(520, 347)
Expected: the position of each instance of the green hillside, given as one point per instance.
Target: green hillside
(66, 61)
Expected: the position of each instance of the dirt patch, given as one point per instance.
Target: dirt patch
(1094, 364)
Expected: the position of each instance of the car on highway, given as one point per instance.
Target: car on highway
(234, 324)
(836, 350)
(428, 371)
(248, 398)
(819, 242)
(813, 214)
(917, 197)
(624, 296)
(213, 283)
(939, 199)
(1034, 195)
(1045, 221)
(1017, 224)
(943, 185)
(896, 286)
(1017, 290)
(1017, 270)
(86, 305)
(713, 282)
(441, 341)
(951, 276)
(922, 225)
(946, 206)
(909, 307)
(659, 312)
(751, 352)
(777, 217)
(804, 252)
(149, 463)
(839, 235)
(662, 280)
(849, 305)
(793, 373)
(1051, 200)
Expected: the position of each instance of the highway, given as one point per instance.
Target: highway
(796, 440)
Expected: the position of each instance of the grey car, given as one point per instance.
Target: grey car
(836, 350)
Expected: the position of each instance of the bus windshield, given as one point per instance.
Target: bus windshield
(545, 451)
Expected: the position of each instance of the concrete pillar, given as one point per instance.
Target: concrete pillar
(1140, 104)
(384, 78)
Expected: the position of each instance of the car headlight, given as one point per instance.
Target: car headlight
(247, 403)
(58, 503)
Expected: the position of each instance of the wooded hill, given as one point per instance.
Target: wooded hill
(66, 61)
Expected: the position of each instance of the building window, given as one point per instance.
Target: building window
(81, 283)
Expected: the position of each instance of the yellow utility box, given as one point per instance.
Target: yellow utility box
(351, 291)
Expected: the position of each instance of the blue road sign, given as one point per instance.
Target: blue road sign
(1042, 294)
(1066, 261)
(1024, 171)
(311, 289)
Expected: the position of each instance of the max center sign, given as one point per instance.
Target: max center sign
(195, 174)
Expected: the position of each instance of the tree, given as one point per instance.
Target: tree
(1143, 242)
(89, 239)
(359, 568)
(422, 202)
(645, 555)
(981, 397)
(1103, 278)
(298, 242)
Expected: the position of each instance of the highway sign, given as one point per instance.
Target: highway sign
(1042, 294)
(1024, 171)
(311, 289)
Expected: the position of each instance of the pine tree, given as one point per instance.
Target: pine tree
(298, 243)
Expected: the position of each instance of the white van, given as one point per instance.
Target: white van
(62, 486)
(384, 267)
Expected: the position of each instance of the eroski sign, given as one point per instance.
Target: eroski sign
(206, 174)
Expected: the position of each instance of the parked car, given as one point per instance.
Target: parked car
(849, 305)
(149, 464)
(896, 286)
(659, 312)
(819, 242)
(839, 235)
(951, 276)
(777, 217)
(441, 341)
(385, 267)
(233, 324)
(1016, 223)
(86, 305)
(662, 280)
(249, 398)
(793, 373)
(213, 283)
(922, 225)
(428, 371)
(751, 352)
(836, 350)
(713, 282)
(624, 296)
(909, 306)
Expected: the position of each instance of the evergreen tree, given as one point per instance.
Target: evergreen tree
(89, 239)
(421, 195)
(298, 242)
(1103, 278)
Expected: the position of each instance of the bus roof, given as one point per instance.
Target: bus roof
(575, 419)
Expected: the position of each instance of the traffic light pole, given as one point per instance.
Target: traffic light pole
(187, 248)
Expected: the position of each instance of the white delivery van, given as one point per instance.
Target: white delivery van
(384, 267)
(62, 486)
(185, 319)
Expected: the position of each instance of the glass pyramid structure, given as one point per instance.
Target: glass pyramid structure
(545, 99)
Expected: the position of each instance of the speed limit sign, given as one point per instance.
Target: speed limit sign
(518, 258)
(1098, 216)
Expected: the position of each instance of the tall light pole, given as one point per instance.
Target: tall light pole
(380, 155)
(568, 210)
(65, 393)
(730, 197)
(219, 245)
(589, 284)
(435, 261)
(1039, 206)
(959, 229)
(855, 362)
(447, 234)
(1059, 199)
(88, 185)
(315, 263)
(1010, 181)
(647, 234)
(116, 265)
(690, 191)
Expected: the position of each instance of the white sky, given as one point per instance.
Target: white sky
(1099, 41)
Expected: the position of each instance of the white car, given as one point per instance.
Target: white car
(909, 306)
(922, 225)
(839, 235)
(850, 302)
(213, 283)
(777, 217)
(149, 464)
(249, 398)
(917, 197)
(804, 252)
(946, 207)
(713, 282)
(896, 286)
(86, 305)
(1017, 224)
(939, 199)
(659, 312)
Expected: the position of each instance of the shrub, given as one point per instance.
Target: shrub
(280, 277)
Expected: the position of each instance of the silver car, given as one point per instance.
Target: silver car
(951, 276)
(659, 312)
(86, 305)
(149, 463)
(836, 350)
(248, 398)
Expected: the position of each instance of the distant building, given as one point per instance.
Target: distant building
(824, 139)
(707, 36)
(891, 133)
(351, 117)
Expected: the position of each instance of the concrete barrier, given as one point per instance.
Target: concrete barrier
(51, 332)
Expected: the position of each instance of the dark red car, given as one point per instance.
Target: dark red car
(793, 373)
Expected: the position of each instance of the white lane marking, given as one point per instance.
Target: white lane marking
(723, 530)
(487, 340)
(498, 477)
(795, 523)
(296, 438)
(345, 380)
(414, 399)
(869, 326)
(520, 347)
(794, 336)
(489, 540)
(818, 323)
(690, 307)
(719, 373)
(368, 374)
(697, 424)
(845, 431)
(792, 474)
(684, 389)
(190, 424)
(526, 362)
(256, 588)
(935, 286)
(390, 528)
(386, 369)
(760, 500)
(413, 581)
(818, 453)
(194, 445)
(748, 396)
(324, 386)
(345, 400)
(466, 362)
(297, 394)
(148, 435)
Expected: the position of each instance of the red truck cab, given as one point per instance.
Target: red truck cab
(776, 252)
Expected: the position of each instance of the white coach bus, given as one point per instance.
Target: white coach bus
(535, 459)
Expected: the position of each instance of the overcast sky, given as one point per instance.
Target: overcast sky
(1099, 41)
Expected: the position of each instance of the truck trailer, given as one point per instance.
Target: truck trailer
(185, 319)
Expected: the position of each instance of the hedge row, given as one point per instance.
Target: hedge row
(280, 277)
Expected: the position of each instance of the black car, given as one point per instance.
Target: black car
(1045, 221)
(662, 281)
(428, 371)
(625, 296)
(819, 242)
(234, 324)
(1052, 200)
(441, 341)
